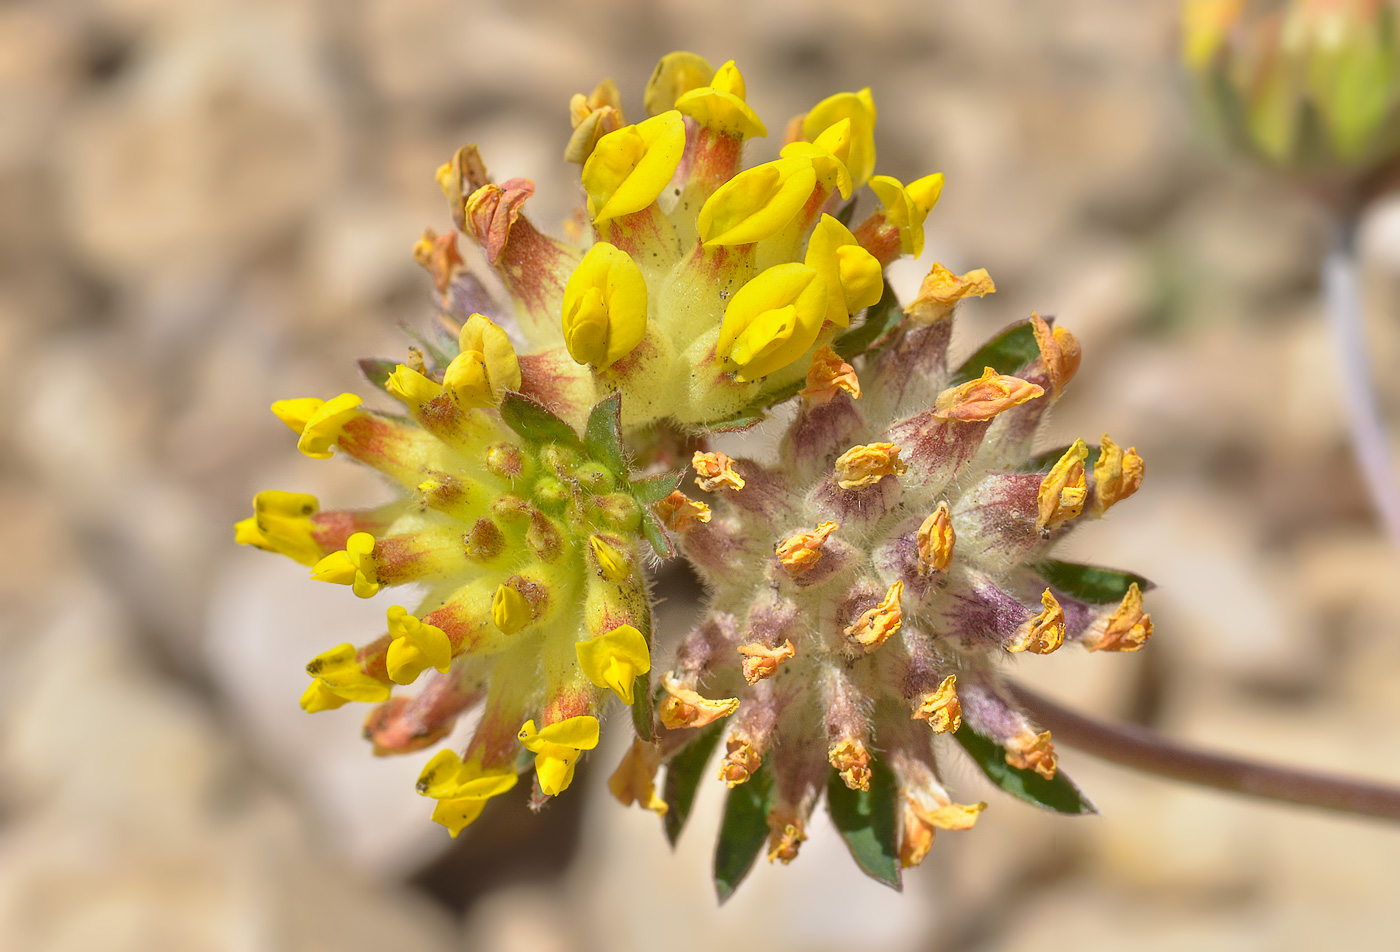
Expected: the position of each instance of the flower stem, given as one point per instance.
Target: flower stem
(1141, 749)
(1341, 293)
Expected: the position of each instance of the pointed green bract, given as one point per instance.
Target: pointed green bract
(866, 820)
(1091, 583)
(683, 775)
(533, 422)
(1059, 795)
(742, 831)
(603, 435)
(1006, 353)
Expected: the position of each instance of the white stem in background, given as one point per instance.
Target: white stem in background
(1341, 293)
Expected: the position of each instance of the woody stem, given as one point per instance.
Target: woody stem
(1341, 293)
(1141, 749)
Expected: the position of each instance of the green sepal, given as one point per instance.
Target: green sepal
(643, 719)
(866, 820)
(602, 437)
(743, 831)
(535, 423)
(655, 533)
(881, 318)
(1090, 583)
(744, 419)
(1006, 353)
(684, 772)
(1059, 795)
(652, 489)
(377, 370)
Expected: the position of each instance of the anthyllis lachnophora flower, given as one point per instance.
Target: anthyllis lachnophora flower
(862, 588)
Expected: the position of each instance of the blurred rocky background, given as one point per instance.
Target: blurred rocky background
(206, 205)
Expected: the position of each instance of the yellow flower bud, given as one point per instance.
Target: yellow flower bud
(720, 105)
(354, 566)
(854, 278)
(629, 168)
(605, 307)
(317, 422)
(557, 749)
(675, 75)
(859, 108)
(906, 206)
(510, 611)
(281, 522)
(412, 387)
(773, 320)
(756, 203)
(612, 561)
(415, 647)
(613, 660)
(486, 366)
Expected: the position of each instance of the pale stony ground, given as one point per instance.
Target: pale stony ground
(207, 204)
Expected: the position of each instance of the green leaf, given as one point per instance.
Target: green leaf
(880, 318)
(603, 435)
(652, 489)
(642, 707)
(655, 533)
(1059, 795)
(743, 831)
(377, 370)
(1007, 352)
(683, 775)
(536, 424)
(866, 820)
(742, 420)
(1090, 583)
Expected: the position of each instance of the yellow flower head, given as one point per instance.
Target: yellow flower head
(340, 672)
(1062, 490)
(854, 278)
(281, 522)
(828, 154)
(720, 105)
(906, 206)
(415, 647)
(557, 749)
(773, 320)
(757, 203)
(613, 660)
(486, 366)
(631, 167)
(354, 566)
(317, 422)
(859, 108)
(605, 307)
(461, 789)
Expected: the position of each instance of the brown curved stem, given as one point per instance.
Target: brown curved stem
(1141, 749)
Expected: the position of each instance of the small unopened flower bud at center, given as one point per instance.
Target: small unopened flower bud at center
(605, 307)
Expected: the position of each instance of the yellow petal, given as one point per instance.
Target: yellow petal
(510, 611)
(859, 108)
(757, 203)
(773, 320)
(613, 660)
(631, 167)
(675, 75)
